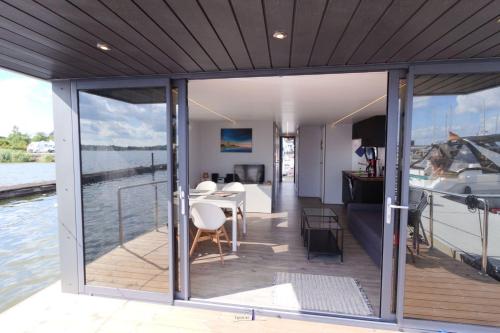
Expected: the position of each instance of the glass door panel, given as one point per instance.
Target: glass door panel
(453, 226)
(125, 177)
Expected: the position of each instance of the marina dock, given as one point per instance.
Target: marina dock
(23, 190)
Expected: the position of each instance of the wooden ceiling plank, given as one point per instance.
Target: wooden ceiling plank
(466, 80)
(453, 18)
(485, 80)
(492, 83)
(308, 15)
(435, 81)
(250, 17)
(116, 24)
(279, 17)
(469, 40)
(450, 82)
(168, 21)
(102, 33)
(486, 14)
(220, 14)
(18, 56)
(337, 15)
(366, 17)
(194, 18)
(395, 17)
(136, 18)
(11, 49)
(427, 14)
(123, 61)
(20, 68)
(482, 46)
(421, 79)
(45, 29)
(73, 54)
(44, 50)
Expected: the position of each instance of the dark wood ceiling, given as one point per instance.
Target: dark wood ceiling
(454, 84)
(53, 39)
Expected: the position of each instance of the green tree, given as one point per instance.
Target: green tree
(18, 140)
(40, 136)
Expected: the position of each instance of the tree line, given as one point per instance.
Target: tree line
(19, 141)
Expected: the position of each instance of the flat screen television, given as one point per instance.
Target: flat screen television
(249, 173)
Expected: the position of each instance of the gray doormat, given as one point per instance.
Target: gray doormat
(335, 294)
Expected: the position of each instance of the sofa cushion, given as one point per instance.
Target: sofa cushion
(365, 224)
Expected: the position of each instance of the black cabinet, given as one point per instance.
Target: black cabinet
(362, 189)
(371, 131)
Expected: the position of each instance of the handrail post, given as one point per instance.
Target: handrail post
(156, 207)
(484, 254)
(120, 225)
(431, 219)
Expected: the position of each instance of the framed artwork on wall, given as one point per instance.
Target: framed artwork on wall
(236, 140)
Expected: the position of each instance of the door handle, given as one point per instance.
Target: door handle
(388, 209)
(183, 201)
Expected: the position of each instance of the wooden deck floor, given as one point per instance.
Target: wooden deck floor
(437, 287)
(440, 288)
(141, 264)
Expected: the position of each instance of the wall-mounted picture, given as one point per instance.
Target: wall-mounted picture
(236, 140)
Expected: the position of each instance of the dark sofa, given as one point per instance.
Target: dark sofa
(366, 224)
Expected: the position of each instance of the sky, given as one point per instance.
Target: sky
(473, 114)
(25, 102)
(106, 121)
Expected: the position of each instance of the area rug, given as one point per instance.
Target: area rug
(335, 294)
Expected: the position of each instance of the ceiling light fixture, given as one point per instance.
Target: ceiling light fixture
(280, 34)
(362, 108)
(103, 46)
(498, 20)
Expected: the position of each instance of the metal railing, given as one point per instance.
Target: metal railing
(119, 198)
(481, 198)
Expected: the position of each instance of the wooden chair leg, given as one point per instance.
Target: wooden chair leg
(224, 231)
(195, 242)
(220, 248)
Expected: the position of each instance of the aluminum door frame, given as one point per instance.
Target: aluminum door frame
(118, 83)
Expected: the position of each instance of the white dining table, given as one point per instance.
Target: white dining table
(225, 199)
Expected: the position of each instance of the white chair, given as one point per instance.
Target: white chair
(235, 187)
(207, 186)
(209, 219)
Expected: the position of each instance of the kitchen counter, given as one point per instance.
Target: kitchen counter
(363, 176)
(360, 188)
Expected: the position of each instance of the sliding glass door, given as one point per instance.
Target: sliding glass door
(126, 148)
(452, 226)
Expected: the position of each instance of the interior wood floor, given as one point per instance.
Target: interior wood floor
(273, 244)
(438, 287)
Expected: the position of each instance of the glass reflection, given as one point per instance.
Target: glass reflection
(124, 191)
(453, 260)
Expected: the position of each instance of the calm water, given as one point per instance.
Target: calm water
(21, 173)
(29, 258)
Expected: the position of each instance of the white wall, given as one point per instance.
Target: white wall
(205, 144)
(309, 161)
(338, 157)
(194, 154)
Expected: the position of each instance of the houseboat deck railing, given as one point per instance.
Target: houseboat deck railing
(481, 198)
(119, 198)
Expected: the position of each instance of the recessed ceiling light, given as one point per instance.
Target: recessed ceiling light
(498, 20)
(103, 46)
(280, 35)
